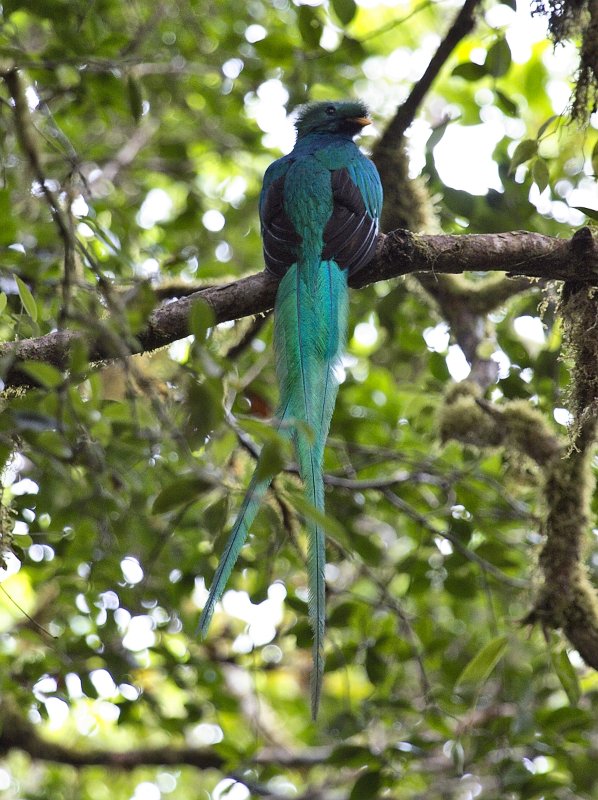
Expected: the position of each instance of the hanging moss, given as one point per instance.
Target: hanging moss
(6, 529)
(579, 309)
(572, 19)
(566, 598)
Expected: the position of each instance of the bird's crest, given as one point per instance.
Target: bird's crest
(331, 116)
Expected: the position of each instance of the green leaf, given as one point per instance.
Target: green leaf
(459, 201)
(55, 444)
(366, 547)
(462, 529)
(594, 158)
(341, 614)
(592, 213)
(263, 431)
(350, 755)
(46, 9)
(345, 10)
(141, 301)
(27, 300)
(215, 515)
(201, 319)
(367, 786)
(481, 665)
(272, 459)
(438, 367)
(509, 106)
(566, 675)
(523, 152)
(498, 59)
(43, 374)
(545, 125)
(470, 71)
(437, 134)
(375, 666)
(3, 302)
(457, 753)
(540, 173)
(294, 602)
(310, 512)
(182, 491)
(78, 357)
(8, 229)
(204, 404)
(67, 76)
(135, 97)
(309, 25)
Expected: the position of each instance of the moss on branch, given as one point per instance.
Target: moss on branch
(565, 599)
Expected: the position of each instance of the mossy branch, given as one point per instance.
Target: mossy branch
(566, 598)
(468, 418)
(399, 253)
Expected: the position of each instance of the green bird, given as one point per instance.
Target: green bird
(319, 212)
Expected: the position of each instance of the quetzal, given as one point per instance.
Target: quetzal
(319, 212)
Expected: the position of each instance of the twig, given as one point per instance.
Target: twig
(247, 338)
(470, 555)
(25, 132)
(133, 64)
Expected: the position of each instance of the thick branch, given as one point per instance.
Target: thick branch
(531, 255)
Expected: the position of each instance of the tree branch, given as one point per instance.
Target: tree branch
(17, 733)
(532, 255)
(463, 24)
(406, 201)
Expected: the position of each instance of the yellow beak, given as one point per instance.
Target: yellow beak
(363, 121)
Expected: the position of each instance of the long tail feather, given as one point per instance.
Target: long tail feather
(236, 540)
(316, 562)
(309, 335)
(310, 325)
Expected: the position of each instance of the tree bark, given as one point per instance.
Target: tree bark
(518, 253)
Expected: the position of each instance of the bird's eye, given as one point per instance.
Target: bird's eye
(330, 110)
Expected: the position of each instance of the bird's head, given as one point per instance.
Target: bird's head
(330, 116)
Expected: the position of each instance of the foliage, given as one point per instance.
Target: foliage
(146, 129)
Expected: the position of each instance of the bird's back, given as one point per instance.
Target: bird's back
(322, 199)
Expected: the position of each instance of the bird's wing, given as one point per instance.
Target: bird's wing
(352, 231)
(367, 179)
(280, 239)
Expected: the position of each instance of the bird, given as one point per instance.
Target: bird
(319, 212)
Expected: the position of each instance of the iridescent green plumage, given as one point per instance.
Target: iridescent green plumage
(319, 210)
